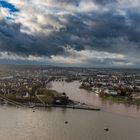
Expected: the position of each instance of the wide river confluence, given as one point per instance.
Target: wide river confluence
(75, 93)
(48, 124)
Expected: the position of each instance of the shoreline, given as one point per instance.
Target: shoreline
(79, 107)
(72, 104)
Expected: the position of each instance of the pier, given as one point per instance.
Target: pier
(71, 107)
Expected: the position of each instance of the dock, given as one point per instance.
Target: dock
(71, 107)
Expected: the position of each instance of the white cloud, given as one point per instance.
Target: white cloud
(4, 12)
(71, 56)
(35, 17)
(87, 6)
(13, 56)
(75, 58)
(47, 16)
(128, 3)
(82, 57)
(120, 63)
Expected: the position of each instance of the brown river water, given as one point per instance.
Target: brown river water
(75, 93)
(49, 123)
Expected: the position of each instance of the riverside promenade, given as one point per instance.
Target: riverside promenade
(80, 107)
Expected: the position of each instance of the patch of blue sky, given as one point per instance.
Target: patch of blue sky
(11, 7)
(10, 18)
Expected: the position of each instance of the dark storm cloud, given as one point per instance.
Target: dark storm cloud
(103, 32)
(95, 31)
(107, 31)
(78, 34)
(77, 2)
(12, 40)
(104, 2)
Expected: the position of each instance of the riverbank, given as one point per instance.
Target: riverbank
(69, 106)
(74, 106)
(113, 96)
(46, 98)
(121, 99)
(90, 98)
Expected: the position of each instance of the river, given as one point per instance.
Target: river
(75, 93)
(49, 123)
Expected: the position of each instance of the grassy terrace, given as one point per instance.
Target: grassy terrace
(121, 99)
(41, 95)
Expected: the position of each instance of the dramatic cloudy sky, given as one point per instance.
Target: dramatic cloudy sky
(103, 33)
